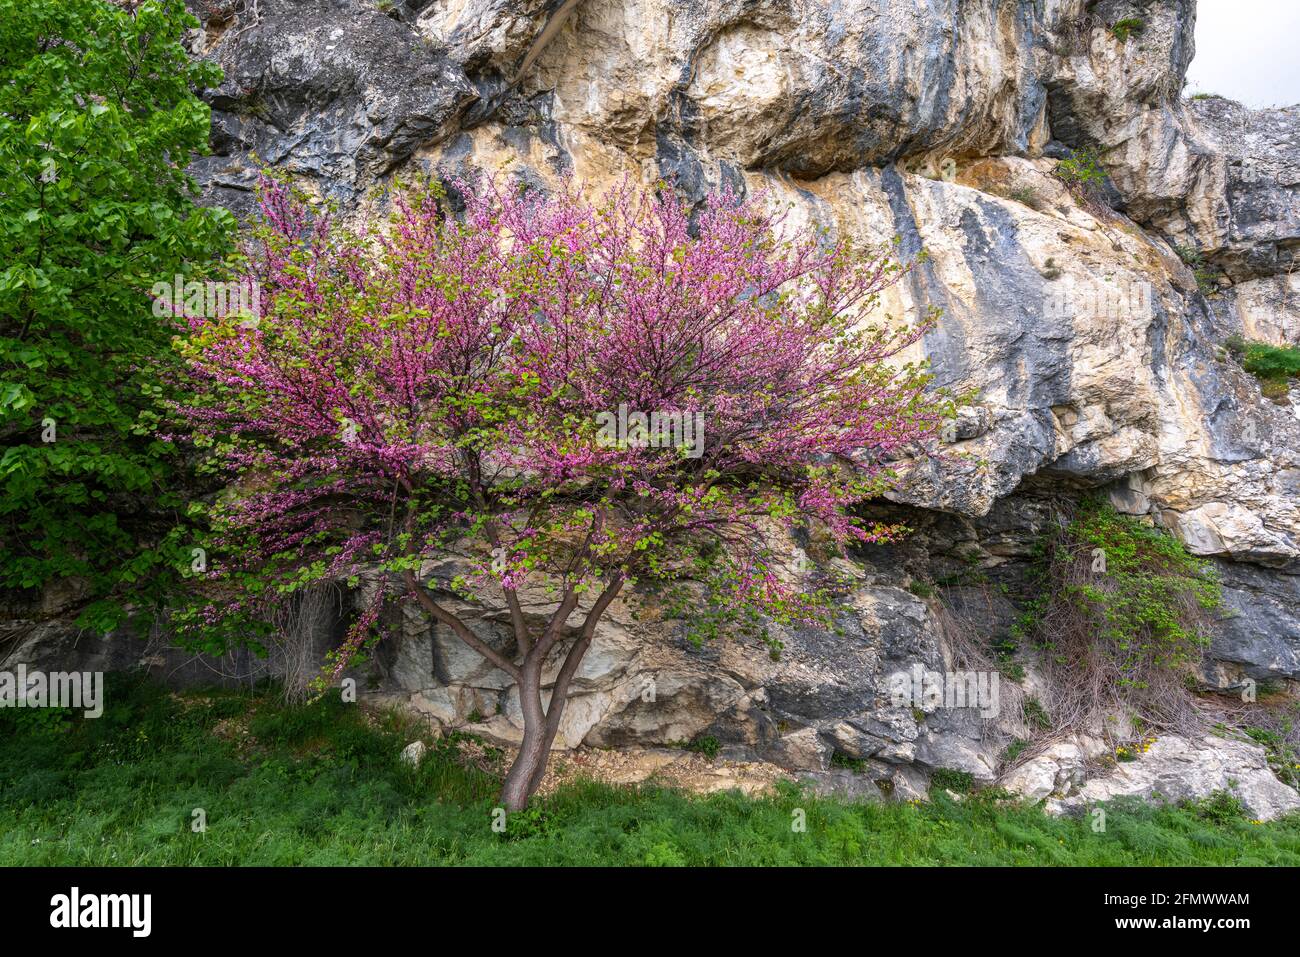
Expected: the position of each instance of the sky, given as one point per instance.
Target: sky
(1246, 50)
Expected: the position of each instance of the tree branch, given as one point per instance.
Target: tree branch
(574, 658)
(461, 630)
(561, 615)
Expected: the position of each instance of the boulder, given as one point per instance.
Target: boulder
(1178, 769)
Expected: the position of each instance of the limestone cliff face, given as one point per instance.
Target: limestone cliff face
(1083, 334)
(1094, 358)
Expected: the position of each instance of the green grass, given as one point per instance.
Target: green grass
(323, 785)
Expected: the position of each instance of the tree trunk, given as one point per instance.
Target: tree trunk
(534, 750)
(529, 766)
(540, 728)
(559, 698)
(540, 724)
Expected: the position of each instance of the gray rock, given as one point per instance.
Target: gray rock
(1262, 632)
(1176, 769)
(414, 753)
(333, 91)
(1058, 771)
(1257, 224)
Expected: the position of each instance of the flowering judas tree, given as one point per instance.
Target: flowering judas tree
(581, 395)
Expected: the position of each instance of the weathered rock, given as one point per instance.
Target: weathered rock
(336, 93)
(1261, 633)
(1255, 227)
(1176, 769)
(812, 87)
(1060, 771)
(1121, 94)
(1266, 309)
(413, 753)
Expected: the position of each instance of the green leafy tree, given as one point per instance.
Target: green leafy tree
(99, 117)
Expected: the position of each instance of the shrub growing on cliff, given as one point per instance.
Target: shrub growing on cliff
(98, 120)
(1123, 610)
(1128, 27)
(1273, 366)
(1207, 276)
(1083, 175)
(570, 396)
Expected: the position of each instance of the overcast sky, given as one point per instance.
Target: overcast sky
(1246, 50)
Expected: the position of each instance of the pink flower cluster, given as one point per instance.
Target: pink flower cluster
(439, 382)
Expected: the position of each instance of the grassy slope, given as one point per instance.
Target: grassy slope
(324, 786)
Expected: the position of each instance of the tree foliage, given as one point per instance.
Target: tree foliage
(98, 120)
(473, 384)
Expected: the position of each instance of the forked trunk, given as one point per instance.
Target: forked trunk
(541, 725)
(534, 750)
(541, 728)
